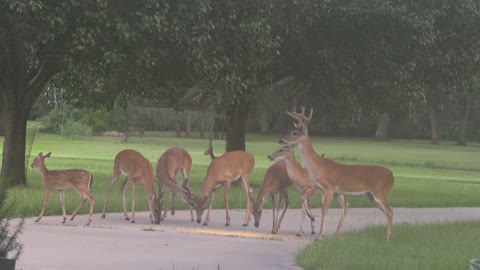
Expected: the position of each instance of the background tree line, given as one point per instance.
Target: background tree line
(365, 66)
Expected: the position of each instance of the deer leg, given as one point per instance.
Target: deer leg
(114, 179)
(285, 206)
(309, 192)
(300, 230)
(383, 205)
(132, 186)
(247, 189)
(91, 201)
(74, 214)
(44, 206)
(186, 183)
(312, 223)
(62, 202)
(172, 203)
(328, 196)
(122, 190)
(225, 197)
(207, 218)
(274, 220)
(343, 202)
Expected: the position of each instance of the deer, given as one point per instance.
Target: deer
(301, 180)
(373, 181)
(60, 180)
(171, 162)
(230, 167)
(137, 170)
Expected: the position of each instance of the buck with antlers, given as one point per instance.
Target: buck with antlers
(78, 179)
(171, 162)
(373, 181)
(300, 178)
(230, 167)
(137, 169)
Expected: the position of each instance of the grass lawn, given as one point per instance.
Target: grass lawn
(433, 246)
(426, 175)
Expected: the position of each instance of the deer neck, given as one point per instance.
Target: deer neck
(307, 153)
(43, 169)
(293, 166)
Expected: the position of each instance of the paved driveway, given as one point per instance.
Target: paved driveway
(178, 244)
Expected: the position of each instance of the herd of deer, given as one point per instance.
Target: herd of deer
(317, 175)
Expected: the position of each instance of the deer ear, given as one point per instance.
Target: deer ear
(40, 154)
(48, 155)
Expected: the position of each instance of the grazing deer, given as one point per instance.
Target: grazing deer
(171, 162)
(78, 179)
(301, 180)
(373, 181)
(138, 170)
(230, 167)
(275, 180)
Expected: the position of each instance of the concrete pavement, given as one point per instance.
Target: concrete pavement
(179, 244)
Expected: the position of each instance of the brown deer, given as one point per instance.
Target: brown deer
(373, 181)
(78, 179)
(138, 171)
(301, 180)
(171, 162)
(275, 181)
(230, 167)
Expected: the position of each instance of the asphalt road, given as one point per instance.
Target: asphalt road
(179, 244)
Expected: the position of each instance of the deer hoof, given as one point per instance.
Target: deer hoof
(205, 224)
(103, 216)
(245, 225)
(227, 224)
(133, 221)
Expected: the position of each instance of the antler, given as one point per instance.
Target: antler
(300, 117)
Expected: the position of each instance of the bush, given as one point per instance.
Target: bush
(9, 244)
(73, 128)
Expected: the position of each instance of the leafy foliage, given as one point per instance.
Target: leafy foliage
(9, 245)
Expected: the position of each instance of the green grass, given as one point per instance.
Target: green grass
(433, 246)
(426, 175)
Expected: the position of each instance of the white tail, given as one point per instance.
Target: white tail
(171, 162)
(230, 167)
(78, 179)
(209, 151)
(138, 170)
(300, 178)
(332, 177)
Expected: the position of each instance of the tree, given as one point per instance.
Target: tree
(101, 48)
(236, 48)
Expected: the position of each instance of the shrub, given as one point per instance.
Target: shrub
(9, 245)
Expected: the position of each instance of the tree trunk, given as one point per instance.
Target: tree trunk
(382, 127)
(433, 125)
(13, 161)
(462, 138)
(235, 126)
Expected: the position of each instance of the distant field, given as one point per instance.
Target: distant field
(426, 175)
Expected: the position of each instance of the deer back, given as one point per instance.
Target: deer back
(226, 168)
